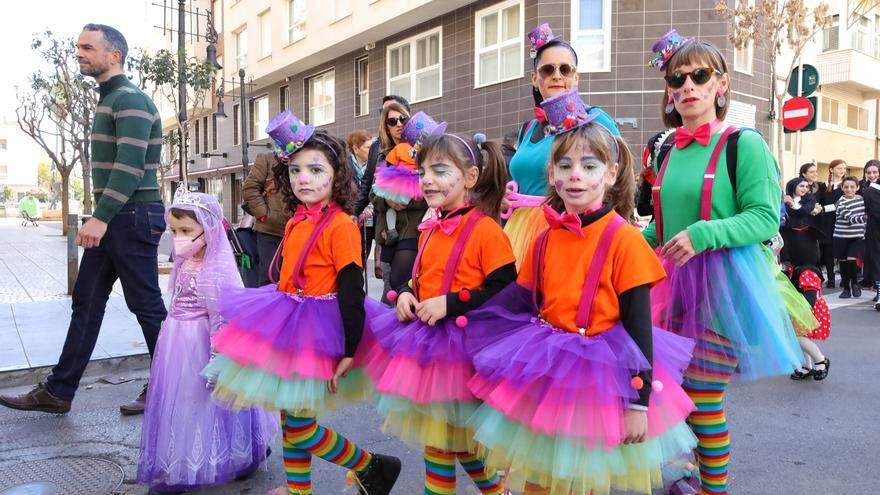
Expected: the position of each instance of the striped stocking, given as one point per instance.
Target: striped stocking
(486, 479)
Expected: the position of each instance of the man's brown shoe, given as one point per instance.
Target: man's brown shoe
(136, 406)
(37, 399)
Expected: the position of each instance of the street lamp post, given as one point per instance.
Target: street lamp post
(181, 84)
(243, 123)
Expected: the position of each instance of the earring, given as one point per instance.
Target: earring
(721, 100)
(669, 106)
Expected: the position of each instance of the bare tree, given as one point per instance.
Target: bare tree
(772, 25)
(56, 111)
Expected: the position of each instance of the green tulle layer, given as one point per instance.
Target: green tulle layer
(441, 425)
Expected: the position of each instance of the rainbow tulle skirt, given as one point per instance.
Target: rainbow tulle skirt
(279, 350)
(732, 293)
(396, 183)
(420, 374)
(554, 401)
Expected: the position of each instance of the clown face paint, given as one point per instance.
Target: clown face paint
(580, 178)
(696, 102)
(444, 184)
(311, 177)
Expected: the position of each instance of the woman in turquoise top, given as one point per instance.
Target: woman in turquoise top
(709, 226)
(555, 71)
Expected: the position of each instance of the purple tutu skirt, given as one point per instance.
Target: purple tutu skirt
(420, 374)
(396, 183)
(279, 350)
(731, 294)
(187, 441)
(554, 401)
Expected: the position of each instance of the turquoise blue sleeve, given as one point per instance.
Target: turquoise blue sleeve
(603, 118)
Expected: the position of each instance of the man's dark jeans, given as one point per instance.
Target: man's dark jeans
(267, 245)
(128, 252)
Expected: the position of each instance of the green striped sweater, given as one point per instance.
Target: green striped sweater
(126, 147)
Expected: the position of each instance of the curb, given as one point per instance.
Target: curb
(96, 368)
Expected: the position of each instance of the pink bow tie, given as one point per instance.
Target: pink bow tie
(447, 224)
(684, 137)
(312, 214)
(567, 221)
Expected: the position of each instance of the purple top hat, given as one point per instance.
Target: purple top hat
(289, 134)
(420, 127)
(539, 37)
(666, 47)
(565, 111)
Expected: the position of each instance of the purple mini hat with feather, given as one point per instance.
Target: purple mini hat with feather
(565, 111)
(419, 128)
(289, 134)
(666, 47)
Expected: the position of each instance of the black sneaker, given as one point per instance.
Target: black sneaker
(380, 475)
(845, 294)
(856, 290)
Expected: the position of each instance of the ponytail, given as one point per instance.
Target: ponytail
(621, 196)
(491, 184)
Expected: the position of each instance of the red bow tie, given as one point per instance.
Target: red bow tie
(447, 224)
(567, 221)
(312, 214)
(702, 135)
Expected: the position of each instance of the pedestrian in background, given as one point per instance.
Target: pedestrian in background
(828, 194)
(849, 236)
(266, 204)
(870, 275)
(359, 143)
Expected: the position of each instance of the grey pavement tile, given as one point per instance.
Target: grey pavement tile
(12, 355)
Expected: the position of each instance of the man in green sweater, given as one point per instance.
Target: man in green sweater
(122, 237)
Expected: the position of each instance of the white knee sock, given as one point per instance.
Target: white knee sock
(811, 352)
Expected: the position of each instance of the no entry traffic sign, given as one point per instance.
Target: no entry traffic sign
(797, 113)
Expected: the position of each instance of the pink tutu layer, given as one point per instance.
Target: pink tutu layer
(399, 181)
(251, 351)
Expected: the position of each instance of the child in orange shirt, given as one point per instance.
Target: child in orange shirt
(581, 394)
(291, 347)
(416, 356)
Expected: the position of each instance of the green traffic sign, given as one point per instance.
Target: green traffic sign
(812, 125)
(809, 82)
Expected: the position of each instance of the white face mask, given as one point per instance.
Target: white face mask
(187, 247)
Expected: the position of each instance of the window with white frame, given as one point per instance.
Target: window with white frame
(831, 35)
(259, 117)
(498, 55)
(830, 110)
(283, 98)
(214, 132)
(341, 8)
(856, 117)
(414, 67)
(320, 100)
(236, 124)
(241, 48)
(296, 20)
(743, 58)
(361, 86)
(265, 34)
(861, 35)
(591, 34)
(876, 40)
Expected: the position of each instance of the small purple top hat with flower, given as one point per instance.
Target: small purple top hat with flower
(539, 37)
(420, 127)
(289, 134)
(666, 47)
(565, 111)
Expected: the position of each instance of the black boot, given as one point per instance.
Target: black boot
(380, 475)
(829, 280)
(876, 291)
(844, 279)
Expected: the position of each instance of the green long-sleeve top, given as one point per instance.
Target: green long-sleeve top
(748, 216)
(126, 147)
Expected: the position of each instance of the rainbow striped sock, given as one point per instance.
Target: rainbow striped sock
(306, 434)
(297, 465)
(705, 381)
(439, 472)
(486, 479)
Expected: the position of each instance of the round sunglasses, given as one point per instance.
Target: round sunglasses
(392, 121)
(566, 70)
(699, 76)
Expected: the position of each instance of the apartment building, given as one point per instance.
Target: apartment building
(465, 62)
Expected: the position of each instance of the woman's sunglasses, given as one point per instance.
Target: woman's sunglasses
(392, 121)
(698, 76)
(566, 70)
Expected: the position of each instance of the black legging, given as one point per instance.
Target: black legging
(401, 267)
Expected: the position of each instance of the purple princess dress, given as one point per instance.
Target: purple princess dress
(188, 441)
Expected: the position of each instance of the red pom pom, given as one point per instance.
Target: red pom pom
(461, 321)
(657, 386)
(391, 295)
(637, 382)
(569, 122)
(464, 295)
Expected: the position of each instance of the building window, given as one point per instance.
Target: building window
(499, 43)
(4, 174)
(743, 57)
(196, 140)
(236, 124)
(296, 20)
(341, 8)
(204, 133)
(259, 117)
(831, 35)
(2, 145)
(856, 118)
(320, 100)
(213, 132)
(591, 32)
(414, 67)
(241, 49)
(861, 35)
(283, 98)
(361, 86)
(829, 110)
(265, 34)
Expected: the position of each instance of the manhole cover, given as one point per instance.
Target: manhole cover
(35, 488)
(71, 476)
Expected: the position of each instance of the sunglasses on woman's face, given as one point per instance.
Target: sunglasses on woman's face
(698, 76)
(392, 121)
(547, 70)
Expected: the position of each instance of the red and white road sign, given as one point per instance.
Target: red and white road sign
(797, 113)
